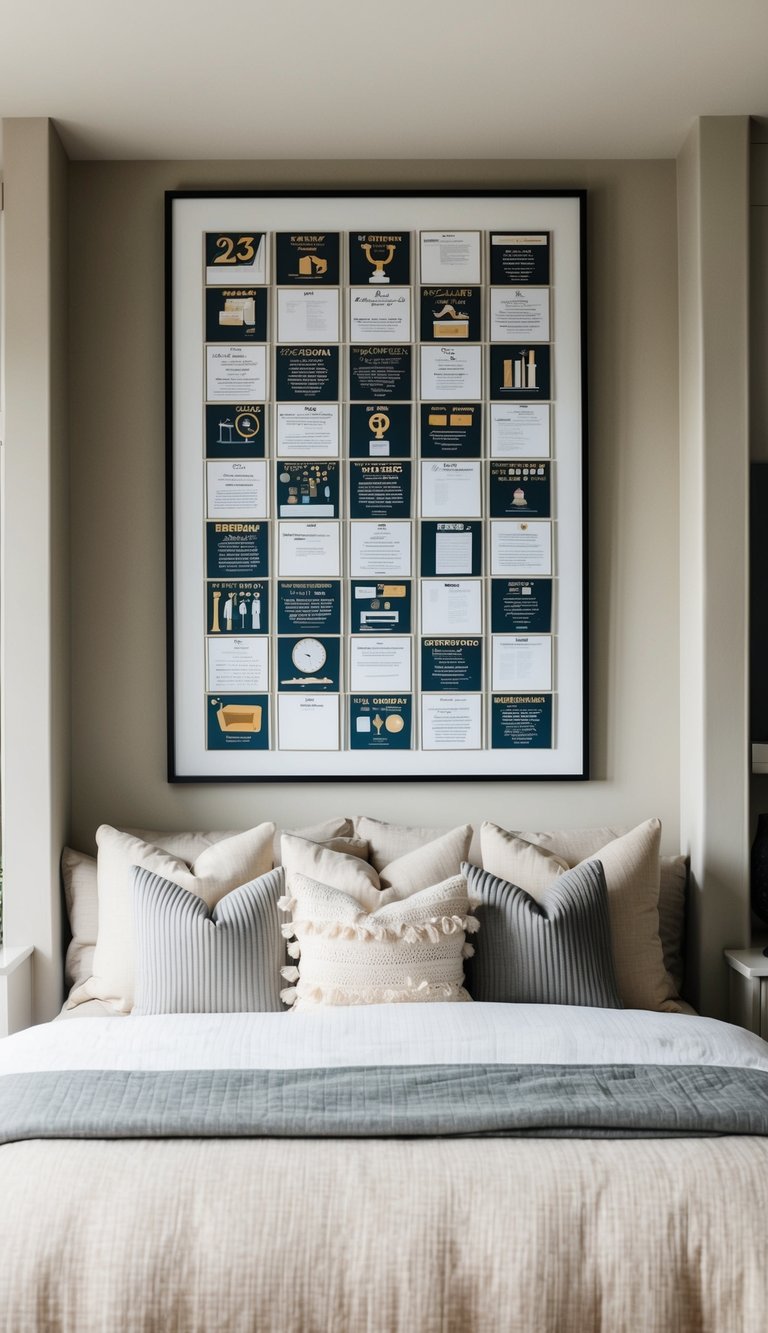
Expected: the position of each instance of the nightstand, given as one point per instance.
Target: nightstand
(749, 989)
(15, 989)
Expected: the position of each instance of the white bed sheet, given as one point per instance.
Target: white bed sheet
(396, 1034)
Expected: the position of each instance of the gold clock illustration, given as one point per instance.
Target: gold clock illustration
(308, 655)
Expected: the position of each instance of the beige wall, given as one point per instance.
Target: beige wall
(118, 515)
(713, 188)
(35, 548)
(758, 253)
(758, 384)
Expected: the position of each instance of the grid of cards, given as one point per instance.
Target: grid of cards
(379, 490)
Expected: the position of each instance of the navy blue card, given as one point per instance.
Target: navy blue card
(237, 549)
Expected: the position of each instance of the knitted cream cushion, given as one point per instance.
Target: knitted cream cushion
(408, 949)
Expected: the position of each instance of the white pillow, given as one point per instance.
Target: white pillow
(389, 842)
(218, 869)
(81, 895)
(187, 845)
(406, 951)
(326, 831)
(418, 869)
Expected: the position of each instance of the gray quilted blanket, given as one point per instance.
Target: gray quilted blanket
(558, 1101)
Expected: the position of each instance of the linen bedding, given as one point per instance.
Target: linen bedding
(368, 1169)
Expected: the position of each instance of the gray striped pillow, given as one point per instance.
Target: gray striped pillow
(556, 950)
(191, 960)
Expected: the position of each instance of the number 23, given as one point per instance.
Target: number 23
(243, 255)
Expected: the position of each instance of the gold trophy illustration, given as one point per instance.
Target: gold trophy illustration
(378, 276)
(379, 424)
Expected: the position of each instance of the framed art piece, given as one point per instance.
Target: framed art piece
(376, 435)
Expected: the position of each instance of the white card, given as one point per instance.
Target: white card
(522, 662)
(450, 257)
(520, 430)
(452, 372)
(380, 665)
(236, 374)
(519, 314)
(379, 314)
(307, 430)
(380, 550)
(453, 553)
(454, 606)
(308, 550)
(237, 489)
(238, 665)
(308, 722)
(451, 721)
(310, 316)
(521, 548)
(450, 489)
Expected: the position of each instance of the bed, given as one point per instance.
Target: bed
(402, 1194)
(387, 1167)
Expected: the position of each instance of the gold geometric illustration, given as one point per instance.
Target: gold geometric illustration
(240, 717)
(456, 326)
(309, 262)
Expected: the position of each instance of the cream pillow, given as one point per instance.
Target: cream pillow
(418, 869)
(631, 866)
(576, 845)
(406, 951)
(218, 869)
(327, 831)
(673, 892)
(389, 842)
(330, 865)
(187, 845)
(81, 895)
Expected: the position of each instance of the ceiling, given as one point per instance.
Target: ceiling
(413, 79)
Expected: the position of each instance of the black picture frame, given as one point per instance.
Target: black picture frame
(178, 770)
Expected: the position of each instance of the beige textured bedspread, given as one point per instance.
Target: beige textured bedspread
(302, 1236)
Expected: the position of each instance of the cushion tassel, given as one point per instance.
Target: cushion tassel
(294, 950)
(306, 995)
